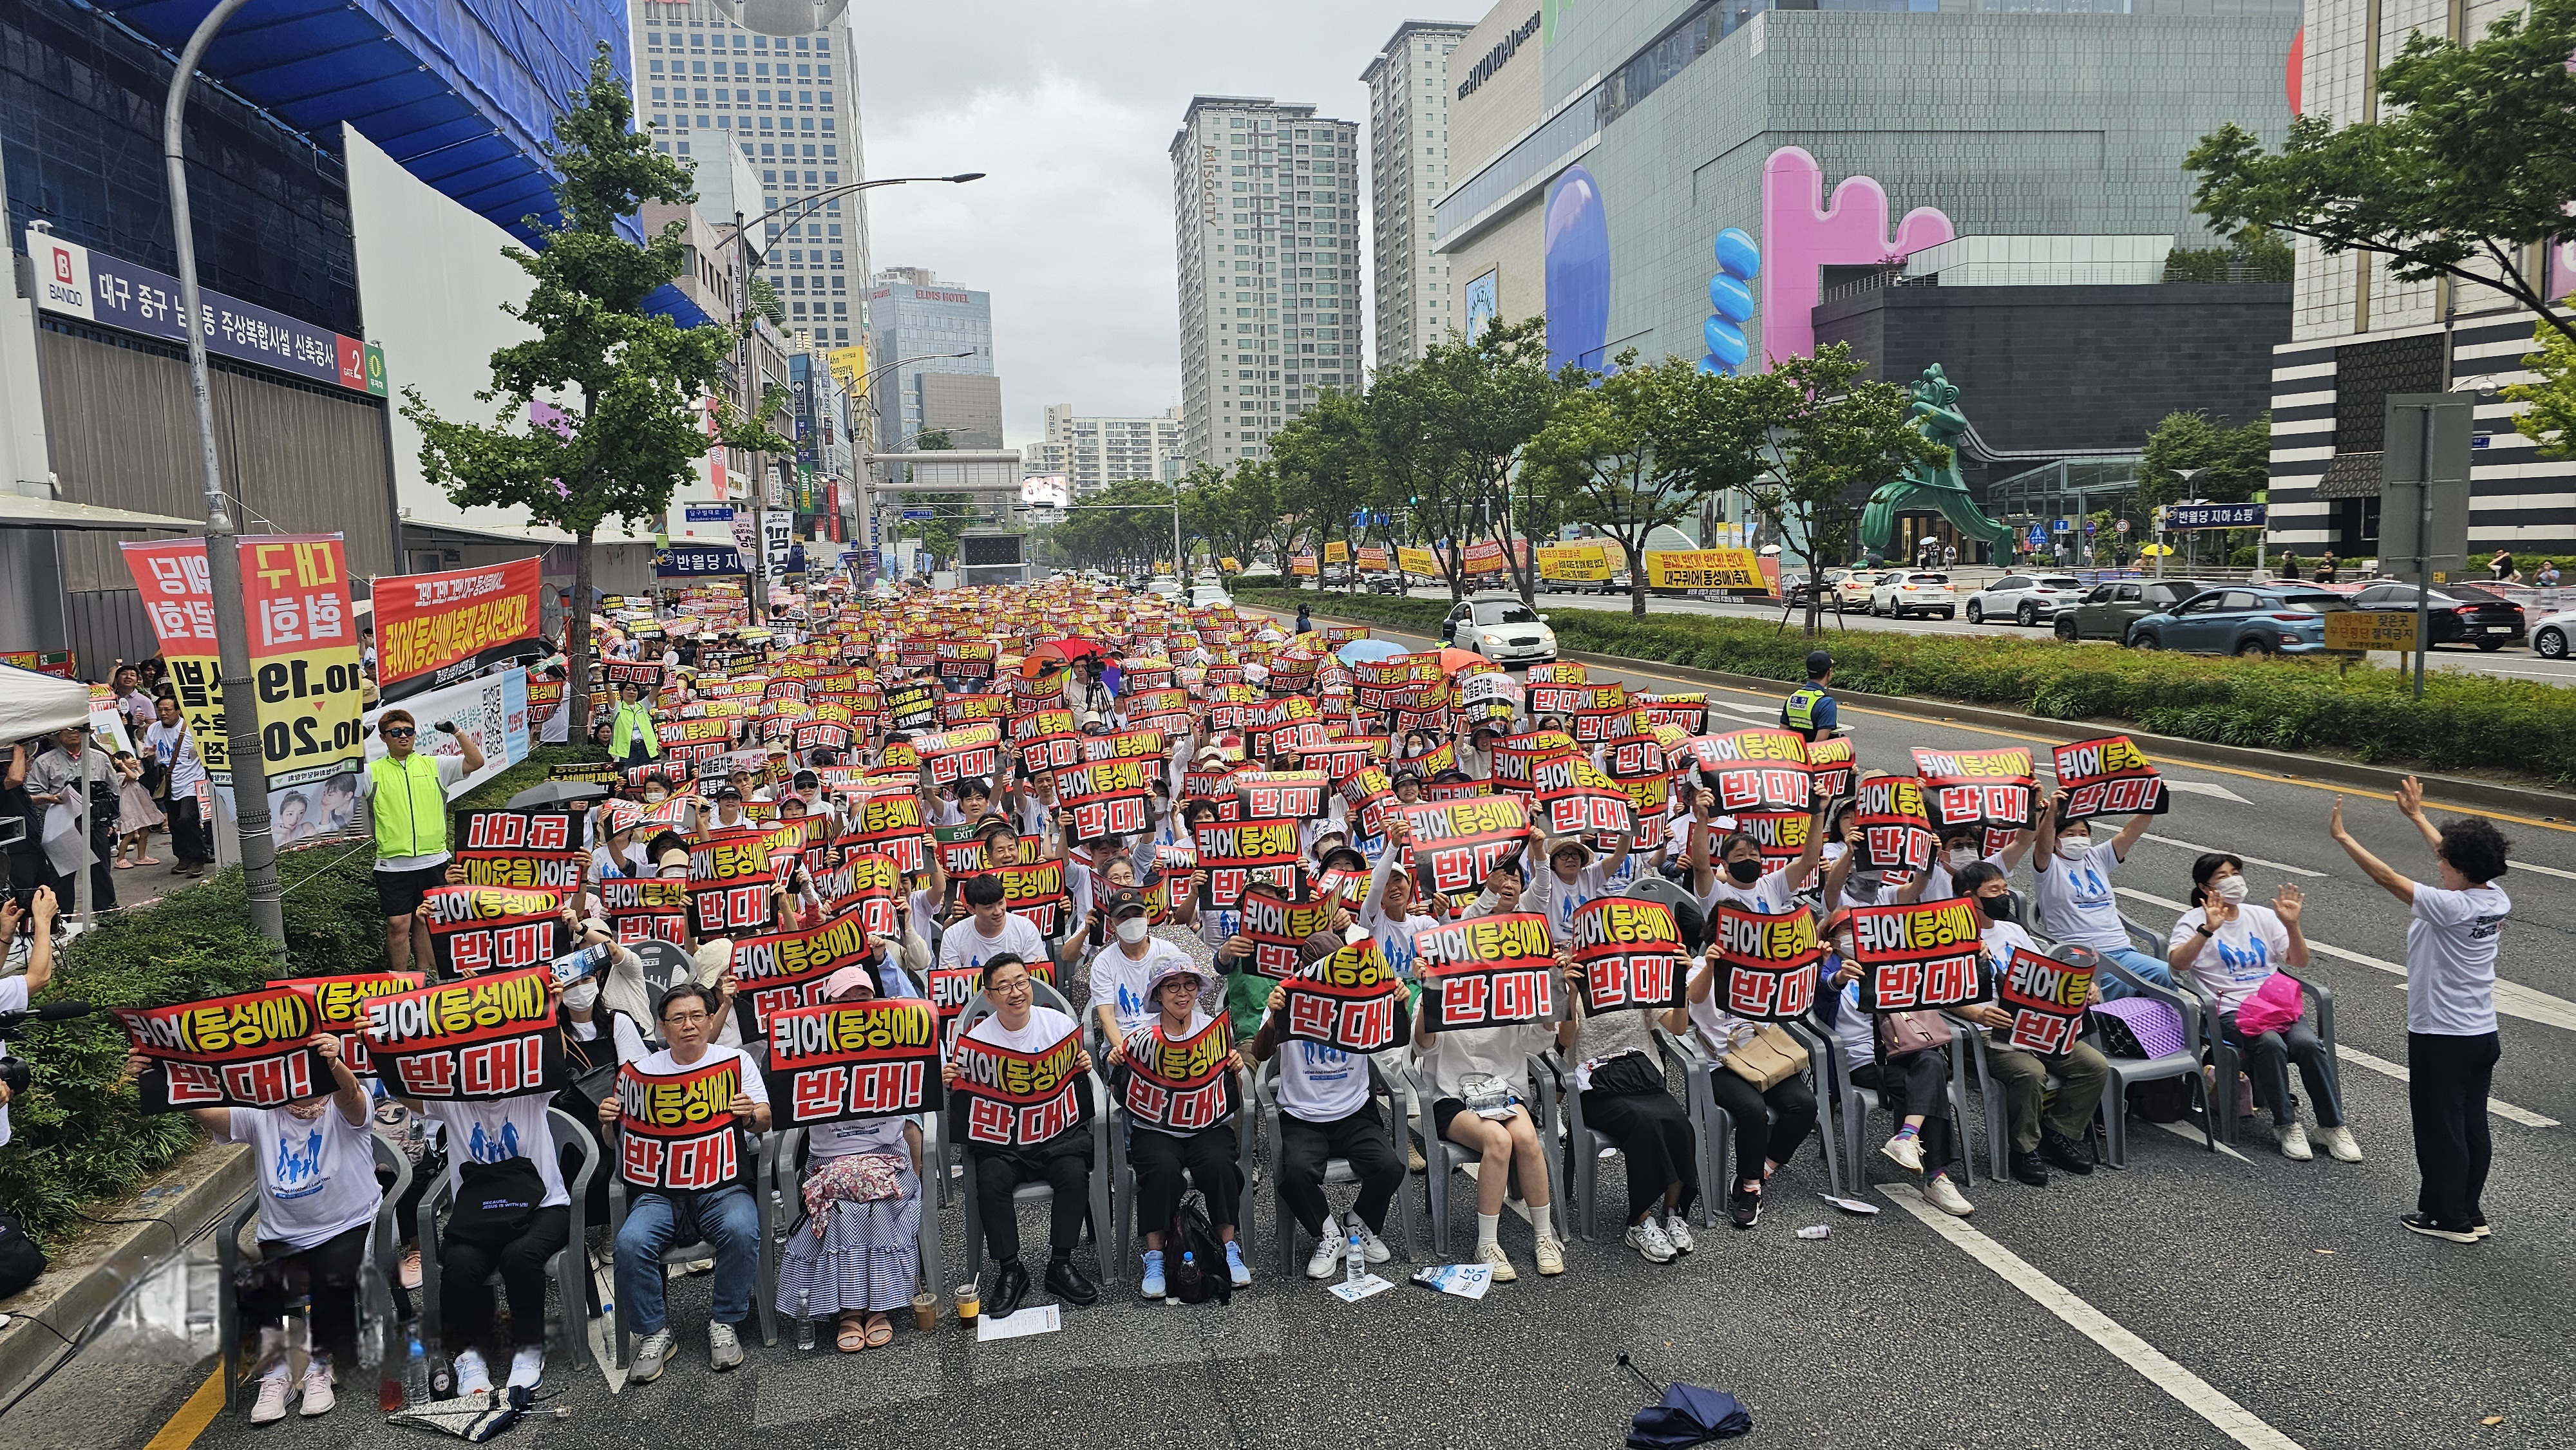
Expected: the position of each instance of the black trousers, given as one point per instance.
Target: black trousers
(188, 830)
(1063, 1163)
(1756, 1137)
(1209, 1157)
(2446, 1091)
(1359, 1139)
(465, 1299)
(325, 1274)
(1654, 1133)
(1917, 1082)
(27, 871)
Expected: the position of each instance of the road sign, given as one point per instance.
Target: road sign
(2088, 526)
(2215, 516)
(2369, 629)
(916, 516)
(2121, 527)
(2062, 526)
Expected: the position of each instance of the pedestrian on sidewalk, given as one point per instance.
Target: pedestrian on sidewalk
(2451, 1042)
(175, 748)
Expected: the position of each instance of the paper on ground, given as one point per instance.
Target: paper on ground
(1039, 1319)
(1354, 1293)
(1467, 1281)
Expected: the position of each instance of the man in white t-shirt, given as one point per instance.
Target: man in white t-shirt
(2072, 876)
(2081, 1070)
(1124, 971)
(990, 929)
(727, 1217)
(1326, 1112)
(2451, 1042)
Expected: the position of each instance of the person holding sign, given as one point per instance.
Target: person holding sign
(1182, 1056)
(512, 1212)
(318, 1197)
(633, 737)
(406, 797)
(2073, 876)
(853, 1258)
(725, 1216)
(2081, 1070)
(2241, 953)
(1327, 1111)
(990, 930)
(1017, 1025)
(1632, 944)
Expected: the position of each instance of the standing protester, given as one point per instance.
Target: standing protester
(27, 873)
(633, 738)
(406, 796)
(59, 781)
(2451, 1041)
(1809, 710)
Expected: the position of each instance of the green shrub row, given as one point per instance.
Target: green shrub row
(77, 1139)
(2520, 728)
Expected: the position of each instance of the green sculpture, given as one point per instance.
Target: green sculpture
(1937, 414)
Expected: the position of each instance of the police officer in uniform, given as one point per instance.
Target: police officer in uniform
(1810, 711)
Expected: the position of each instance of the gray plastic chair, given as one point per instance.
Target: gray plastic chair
(1857, 1103)
(1122, 1194)
(569, 1266)
(1103, 1170)
(1443, 1157)
(375, 1290)
(1716, 1126)
(764, 1289)
(2197, 1019)
(789, 1186)
(1336, 1170)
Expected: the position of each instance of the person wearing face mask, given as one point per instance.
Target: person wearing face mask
(2451, 1046)
(2232, 947)
(2072, 876)
(1123, 974)
(1959, 850)
(2081, 1070)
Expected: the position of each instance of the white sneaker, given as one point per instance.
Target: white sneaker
(724, 1347)
(1492, 1256)
(1647, 1238)
(1906, 1149)
(651, 1357)
(528, 1365)
(270, 1407)
(1944, 1195)
(2294, 1142)
(1328, 1251)
(472, 1376)
(1677, 1233)
(1372, 1248)
(2340, 1143)
(318, 1398)
(1549, 1253)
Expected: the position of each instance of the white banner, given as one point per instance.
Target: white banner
(492, 709)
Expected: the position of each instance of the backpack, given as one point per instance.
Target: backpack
(1193, 1260)
(21, 1261)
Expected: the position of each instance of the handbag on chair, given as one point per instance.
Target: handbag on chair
(1902, 1033)
(1764, 1055)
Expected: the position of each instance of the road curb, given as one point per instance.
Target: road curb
(2442, 789)
(166, 1215)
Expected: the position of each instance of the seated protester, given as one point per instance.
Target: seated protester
(1739, 877)
(1912, 1082)
(2071, 872)
(1063, 1162)
(1574, 876)
(1161, 1157)
(1326, 1111)
(318, 1197)
(2231, 947)
(988, 930)
(1624, 1099)
(1124, 974)
(729, 814)
(1389, 911)
(728, 1218)
(1959, 850)
(1407, 785)
(512, 1212)
(2081, 1069)
(853, 1256)
(969, 800)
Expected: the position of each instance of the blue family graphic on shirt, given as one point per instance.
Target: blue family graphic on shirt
(298, 1173)
(1132, 1006)
(2087, 887)
(1397, 947)
(2251, 962)
(485, 1146)
(1325, 1064)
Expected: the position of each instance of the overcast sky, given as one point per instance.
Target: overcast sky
(1071, 108)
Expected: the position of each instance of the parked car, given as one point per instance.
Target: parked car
(2458, 613)
(1383, 582)
(2243, 619)
(1206, 596)
(1164, 586)
(2549, 636)
(2025, 599)
(1564, 586)
(1502, 629)
(1900, 592)
(2111, 608)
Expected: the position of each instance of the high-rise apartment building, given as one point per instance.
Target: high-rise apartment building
(1093, 453)
(1265, 202)
(790, 106)
(1409, 95)
(920, 328)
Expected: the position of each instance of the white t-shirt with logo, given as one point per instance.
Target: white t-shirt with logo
(965, 945)
(2451, 960)
(2075, 901)
(1320, 1084)
(1772, 893)
(2239, 954)
(1119, 982)
(498, 1131)
(317, 1176)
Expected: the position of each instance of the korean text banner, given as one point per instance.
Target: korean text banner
(1277, 926)
(647, 908)
(340, 1005)
(492, 1036)
(491, 928)
(2047, 998)
(1771, 962)
(951, 988)
(1181, 1087)
(841, 1060)
(531, 849)
(1108, 797)
(1233, 854)
(1036, 890)
(1895, 827)
(1631, 953)
(1485, 971)
(783, 969)
(435, 629)
(1928, 954)
(2107, 777)
(1988, 789)
(678, 1130)
(729, 879)
(1019, 1099)
(1457, 844)
(1351, 1000)
(1730, 569)
(247, 1050)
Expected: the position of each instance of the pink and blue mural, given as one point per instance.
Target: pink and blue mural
(1802, 235)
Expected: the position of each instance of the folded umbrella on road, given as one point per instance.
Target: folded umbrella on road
(1686, 1415)
(475, 1418)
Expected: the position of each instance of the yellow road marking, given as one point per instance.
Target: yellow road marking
(193, 1417)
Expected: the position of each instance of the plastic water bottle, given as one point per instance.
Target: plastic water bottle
(1354, 1260)
(414, 1389)
(804, 1323)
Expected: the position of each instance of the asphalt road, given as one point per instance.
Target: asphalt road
(2192, 1300)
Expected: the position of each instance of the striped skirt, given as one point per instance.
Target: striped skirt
(866, 1261)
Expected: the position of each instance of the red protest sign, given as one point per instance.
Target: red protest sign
(889, 821)
(1280, 795)
(1183, 1086)
(1109, 797)
(246, 1050)
(1927, 954)
(1277, 926)
(1368, 797)
(1576, 799)
(532, 850)
(340, 1005)
(1829, 767)
(2047, 998)
(1048, 739)
(840, 1060)
(1895, 832)
(1019, 1099)
(729, 879)
(647, 908)
(677, 1130)
(1989, 789)
(2107, 777)
(1486, 971)
(1770, 962)
(951, 988)
(1517, 758)
(970, 752)
(780, 969)
(1036, 890)
(1631, 953)
(1233, 854)
(1351, 1000)
(491, 928)
(487, 1037)
(1457, 843)
(1639, 770)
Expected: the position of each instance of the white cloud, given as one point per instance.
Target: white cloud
(1071, 109)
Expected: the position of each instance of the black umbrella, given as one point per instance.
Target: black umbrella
(557, 792)
(1686, 1415)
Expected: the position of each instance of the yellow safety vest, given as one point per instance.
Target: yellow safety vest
(1801, 711)
(409, 806)
(631, 719)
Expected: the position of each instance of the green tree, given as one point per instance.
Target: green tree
(1415, 461)
(1324, 470)
(1828, 438)
(2237, 460)
(932, 440)
(1492, 397)
(2466, 174)
(597, 415)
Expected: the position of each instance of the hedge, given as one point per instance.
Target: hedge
(77, 1138)
(2518, 728)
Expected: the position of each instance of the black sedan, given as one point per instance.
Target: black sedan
(2459, 613)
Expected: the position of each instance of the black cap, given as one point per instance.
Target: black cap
(728, 793)
(1127, 901)
(1818, 662)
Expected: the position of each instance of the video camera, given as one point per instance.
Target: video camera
(14, 1071)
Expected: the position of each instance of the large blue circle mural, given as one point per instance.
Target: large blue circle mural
(1578, 270)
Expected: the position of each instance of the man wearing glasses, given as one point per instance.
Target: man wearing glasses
(406, 797)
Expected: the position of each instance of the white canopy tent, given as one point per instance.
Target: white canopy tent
(34, 704)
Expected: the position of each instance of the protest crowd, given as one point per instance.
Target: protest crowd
(990, 896)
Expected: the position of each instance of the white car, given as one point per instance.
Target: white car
(1506, 632)
(1208, 596)
(2025, 598)
(1901, 592)
(1163, 586)
(2549, 635)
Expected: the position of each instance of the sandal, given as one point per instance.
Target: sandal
(851, 1338)
(125, 865)
(880, 1331)
(147, 860)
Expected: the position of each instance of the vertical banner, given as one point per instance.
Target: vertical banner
(1486, 971)
(1771, 962)
(1927, 954)
(677, 1130)
(1184, 1086)
(492, 1036)
(2047, 998)
(1351, 1000)
(1020, 1099)
(1632, 955)
(179, 599)
(243, 1051)
(840, 1060)
(2107, 777)
(436, 629)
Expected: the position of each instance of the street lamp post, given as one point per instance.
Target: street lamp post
(744, 260)
(867, 469)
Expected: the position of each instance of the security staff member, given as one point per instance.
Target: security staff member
(633, 739)
(406, 799)
(1810, 711)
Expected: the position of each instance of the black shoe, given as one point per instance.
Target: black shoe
(2066, 1153)
(2026, 1168)
(2478, 1226)
(2433, 1228)
(1010, 1286)
(1744, 1209)
(1066, 1282)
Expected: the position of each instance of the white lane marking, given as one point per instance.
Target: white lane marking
(2191, 1135)
(2194, 1393)
(2511, 998)
(2398, 1070)
(2202, 787)
(2248, 860)
(2544, 870)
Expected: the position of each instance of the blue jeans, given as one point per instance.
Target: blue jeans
(2152, 969)
(726, 1217)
